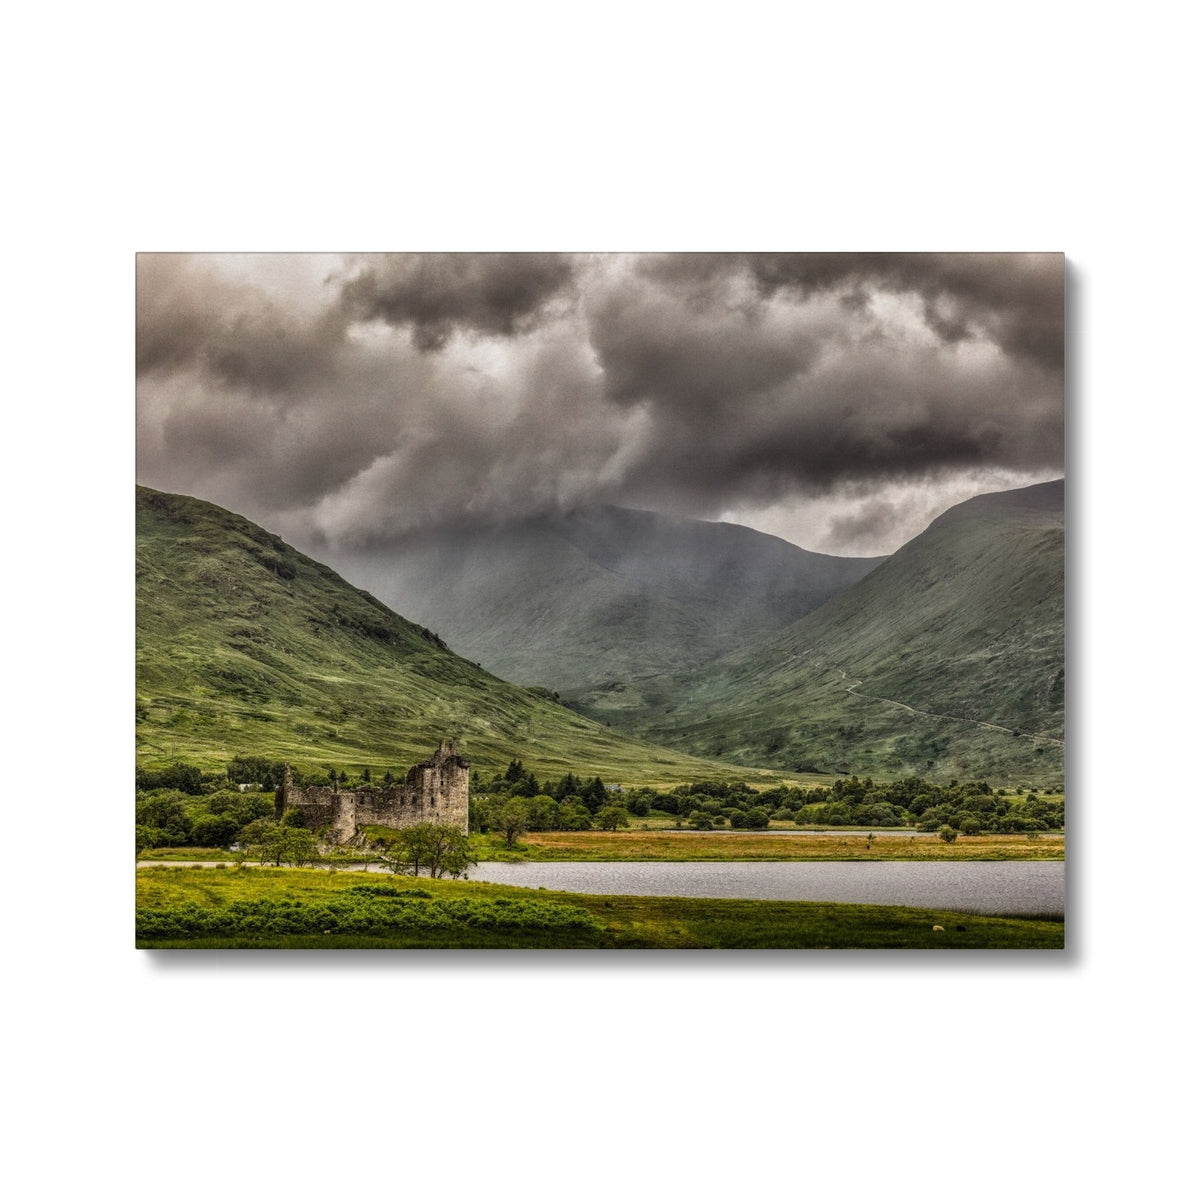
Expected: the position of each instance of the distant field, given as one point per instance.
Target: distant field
(639, 845)
(313, 906)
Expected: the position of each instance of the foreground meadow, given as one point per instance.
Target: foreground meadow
(279, 908)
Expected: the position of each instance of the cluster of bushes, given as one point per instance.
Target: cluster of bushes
(171, 817)
(181, 806)
(361, 909)
(970, 807)
(515, 801)
(572, 803)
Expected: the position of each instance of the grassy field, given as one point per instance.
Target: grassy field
(400, 913)
(650, 846)
(641, 845)
(245, 646)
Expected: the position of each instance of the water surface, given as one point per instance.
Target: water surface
(980, 887)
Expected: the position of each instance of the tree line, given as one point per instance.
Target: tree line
(182, 806)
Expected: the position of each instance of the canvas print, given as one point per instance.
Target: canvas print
(600, 601)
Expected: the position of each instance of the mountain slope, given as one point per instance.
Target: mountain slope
(964, 625)
(246, 646)
(602, 596)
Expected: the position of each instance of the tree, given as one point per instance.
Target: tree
(440, 849)
(279, 844)
(568, 785)
(448, 851)
(179, 776)
(595, 795)
(612, 816)
(544, 813)
(296, 847)
(405, 854)
(574, 816)
(211, 829)
(511, 819)
(165, 812)
(947, 833)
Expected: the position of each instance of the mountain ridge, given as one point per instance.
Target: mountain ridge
(246, 645)
(962, 628)
(594, 596)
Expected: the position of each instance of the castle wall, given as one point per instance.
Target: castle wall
(436, 791)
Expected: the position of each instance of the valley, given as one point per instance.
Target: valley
(250, 653)
(944, 660)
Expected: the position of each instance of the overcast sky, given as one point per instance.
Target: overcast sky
(838, 400)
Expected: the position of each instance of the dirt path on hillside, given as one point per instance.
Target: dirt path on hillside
(920, 712)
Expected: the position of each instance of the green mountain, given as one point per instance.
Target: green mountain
(947, 659)
(246, 646)
(596, 598)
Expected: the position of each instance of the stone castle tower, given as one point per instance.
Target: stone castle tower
(436, 791)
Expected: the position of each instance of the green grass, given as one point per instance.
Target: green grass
(651, 846)
(246, 646)
(636, 845)
(188, 854)
(965, 624)
(567, 920)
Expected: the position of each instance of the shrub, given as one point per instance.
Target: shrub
(575, 816)
(365, 909)
(213, 830)
(948, 833)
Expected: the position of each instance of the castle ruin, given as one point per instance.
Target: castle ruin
(435, 791)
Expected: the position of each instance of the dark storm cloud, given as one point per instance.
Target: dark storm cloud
(436, 295)
(764, 375)
(1015, 300)
(188, 316)
(352, 400)
(690, 349)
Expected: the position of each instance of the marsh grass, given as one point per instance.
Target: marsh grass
(654, 846)
(557, 920)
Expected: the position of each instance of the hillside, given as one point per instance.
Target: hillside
(596, 598)
(246, 646)
(964, 624)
